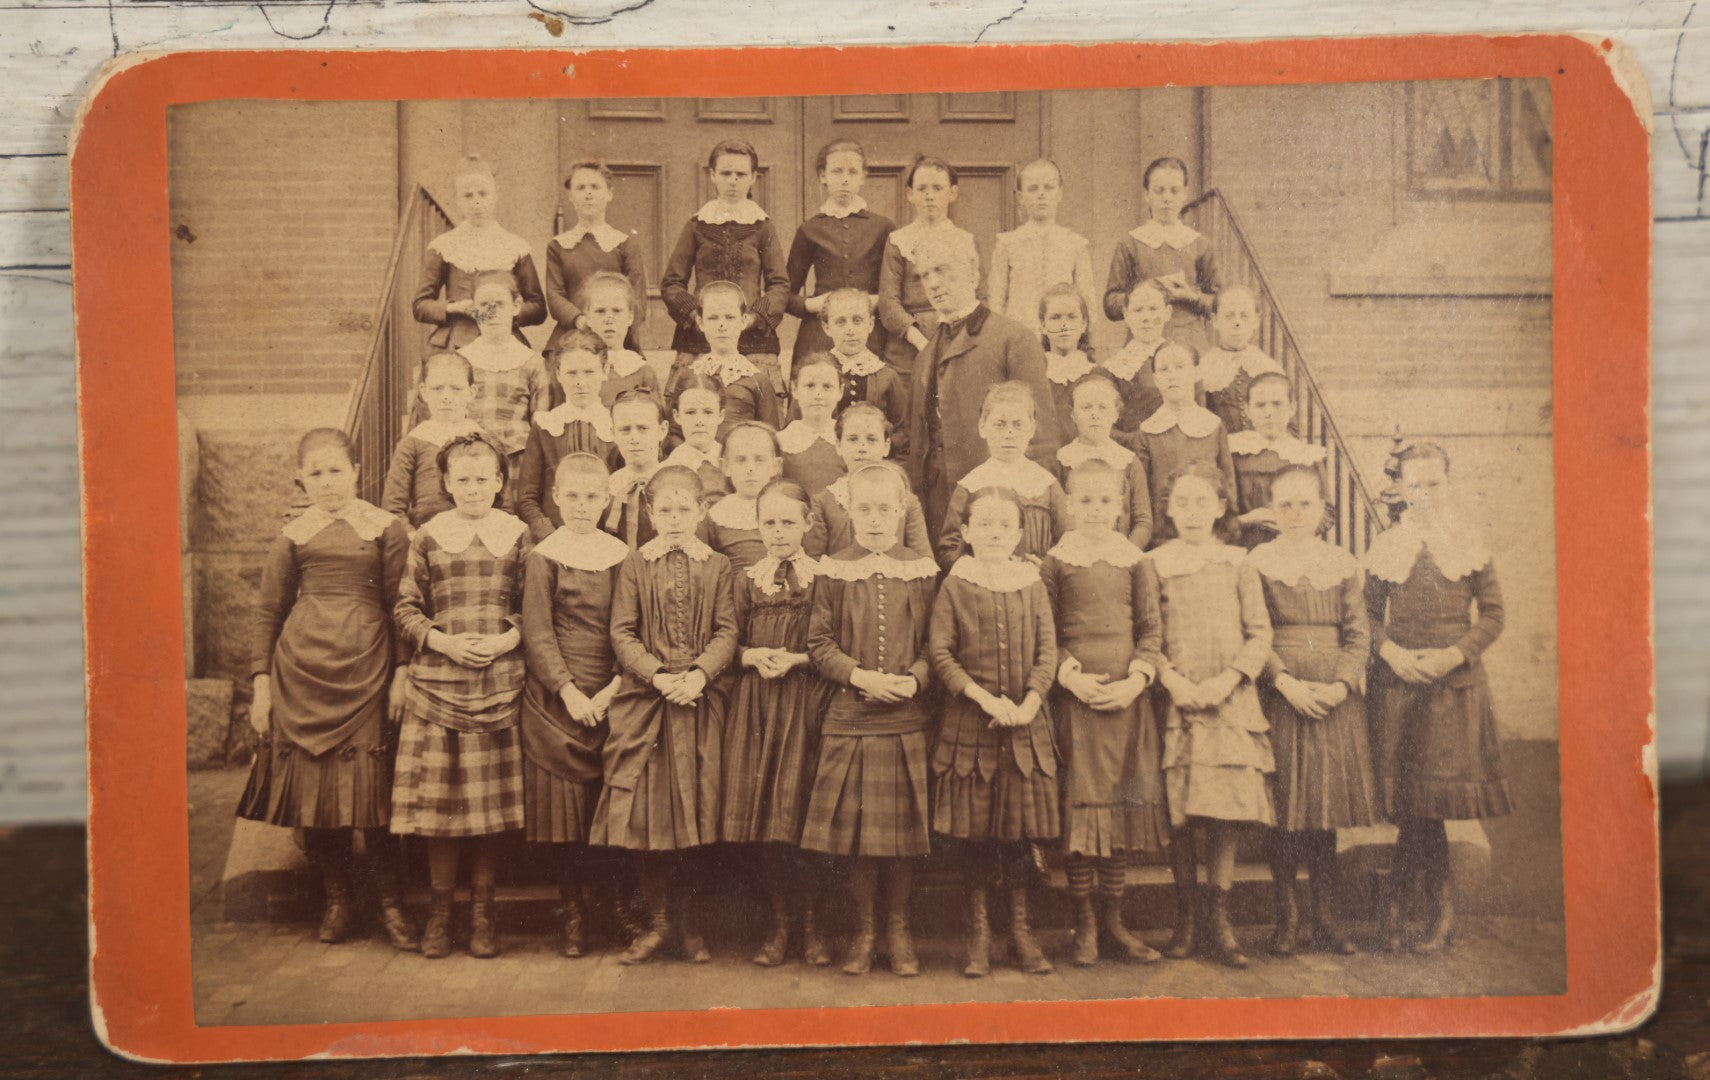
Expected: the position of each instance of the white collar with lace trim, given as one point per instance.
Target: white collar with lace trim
(497, 531)
(726, 369)
(1196, 421)
(606, 235)
(831, 210)
(1156, 234)
(1084, 547)
(688, 456)
(622, 363)
(716, 212)
(553, 421)
(860, 365)
(366, 519)
(1026, 477)
(1317, 562)
(595, 551)
(1293, 450)
(735, 512)
(1006, 577)
(626, 479)
(1218, 367)
(1072, 455)
(658, 547)
(1131, 358)
(439, 432)
(899, 563)
(910, 235)
(798, 438)
(1066, 368)
(477, 250)
(1455, 547)
(505, 354)
(764, 574)
(1178, 557)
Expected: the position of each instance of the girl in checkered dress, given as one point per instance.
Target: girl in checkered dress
(459, 781)
(674, 633)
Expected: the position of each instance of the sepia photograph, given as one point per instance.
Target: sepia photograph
(669, 553)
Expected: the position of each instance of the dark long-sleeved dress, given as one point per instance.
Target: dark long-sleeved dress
(742, 251)
(449, 268)
(843, 251)
(414, 490)
(1166, 444)
(868, 378)
(1135, 521)
(1225, 374)
(577, 254)
(1151, 251)
(732, 527)
(1257, 462)
(323, 634)
(1437, 749)
(831, 529)
(555, 435)
(810, 457)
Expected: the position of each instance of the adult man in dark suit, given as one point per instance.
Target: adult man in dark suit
(973, 349)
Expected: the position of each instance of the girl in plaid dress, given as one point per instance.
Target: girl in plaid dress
(867, 637)
(674, 633)
(580, 424)
(459, 780)
(511, 383)
(994, 647)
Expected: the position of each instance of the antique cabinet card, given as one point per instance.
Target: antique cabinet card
(1249, 637)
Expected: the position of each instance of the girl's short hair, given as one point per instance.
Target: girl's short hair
(675, 477)
(1164, 163)
(1058, 169)
(717, 288)
(924, 162)
(496, 277)
(636, 395)
(609, 279)
(756, 427)
(787, 489)
(841, 296)
(473, 442)
(580, 463)
(863, 408)
(1265, 377)
(1002, 494)
(1145, 283)
(839, 146)
(1060, 289)
(1009, 392)
(586, 341)
(1093, 468)
(1232, 290)
(600, 167)
(813, 360)
(879, 470)
(472, 165)
(1200, 470)
(457, 358)
(1181, 347)
(734, 148)
(317, 438)
(1301, 470)
(1096, 377)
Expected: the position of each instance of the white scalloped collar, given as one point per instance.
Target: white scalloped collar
(658, 547)
(735, 512)
(798, 437)
(1066, 368)
(1218, 367)
(476, 250)
(1455, 547)
(622, 363)
(606, 235)
(858, 564)
(439, 432)
(1026, 477)
(1196, 421)
(1072, 455)
(726, 369)
(691, 457)
(553, 421)
(1084, 547)
(716, 212)
(505, 354)
(1155, 234)
(368, 521)
(595, 551)
(861, 364)
(764, 574)
(497, 531)
(1005, 577)
(1178, 557)
(831, 210)
(1319, 563)
(1292, 449)
(1131, 358)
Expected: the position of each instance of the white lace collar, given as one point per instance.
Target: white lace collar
(1218, 367)
(909, 236)
(831, 210)
(1196, 421)
(1131, 358)
(1317, 562)
(1084, 547)
(1178, 557)
(899, 563)
(1156, 234)
(1455, 547)
(715, 212)
(860, 365)
(1006, 577)
(1026, 477)
(507, 354)
(658, 547)
(726, 369)
(553, 421)
(735, 512)
(476, 250)
(606, 235)
(497, 531)
(764, 574)
(1065, 369)
(621, 363)
(440, 432)
(1293, 450)
(627, 479)
(368, 521)
(688, 456)
(1072, 455)
(798, 438)
(595, 551)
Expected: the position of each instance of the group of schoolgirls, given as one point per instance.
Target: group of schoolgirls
(755, 638)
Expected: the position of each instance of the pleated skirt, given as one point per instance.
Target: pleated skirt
(348, 787)
(869, 796)
(556, 809)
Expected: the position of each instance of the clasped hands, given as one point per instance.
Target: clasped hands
(1004, 713)
(681, 689)
(1209, 694)
(772, 663)
(886, 689)
(1313, 700)
(1098, 691)
(1420, 666)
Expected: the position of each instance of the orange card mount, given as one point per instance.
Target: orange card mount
(236, 262)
